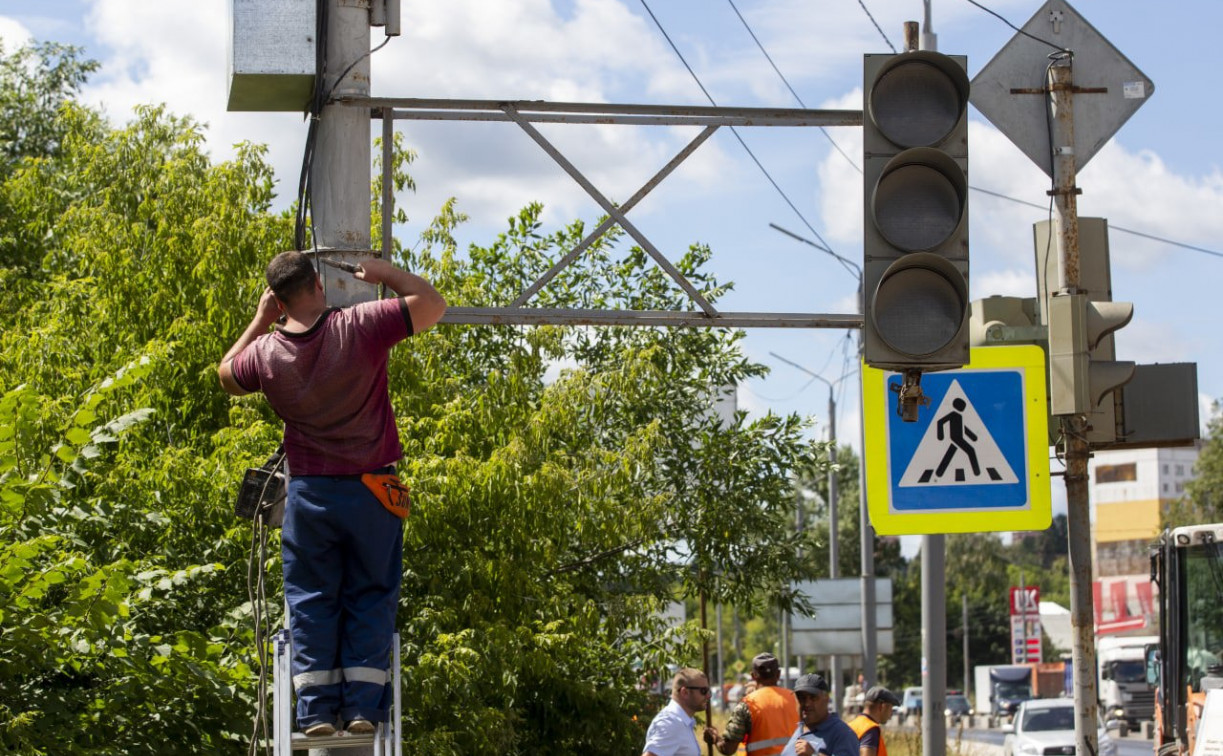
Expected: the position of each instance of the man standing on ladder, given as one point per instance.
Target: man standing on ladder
(324, 372)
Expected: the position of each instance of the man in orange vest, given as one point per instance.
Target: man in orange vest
(877, 709)
(765, 719)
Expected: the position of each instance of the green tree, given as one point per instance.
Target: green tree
(1203, 500)
(552, 519)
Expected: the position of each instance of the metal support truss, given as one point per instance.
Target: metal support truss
(526, 112)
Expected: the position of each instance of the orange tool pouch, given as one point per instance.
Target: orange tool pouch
(388, 490)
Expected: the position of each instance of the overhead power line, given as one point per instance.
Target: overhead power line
(780, 75)
(733, 130)
(876, 23)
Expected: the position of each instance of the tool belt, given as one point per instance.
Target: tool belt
(393, 494)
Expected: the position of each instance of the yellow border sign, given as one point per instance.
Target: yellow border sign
(976, 460)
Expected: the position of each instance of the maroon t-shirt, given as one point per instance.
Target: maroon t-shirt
(329, 386)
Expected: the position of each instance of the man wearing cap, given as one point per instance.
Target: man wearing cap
(765, 719)
(670, 733)
(820, 731)
(876, 711)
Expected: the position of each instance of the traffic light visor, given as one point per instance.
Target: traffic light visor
(920, 305)
(918, 99)
(918, 202)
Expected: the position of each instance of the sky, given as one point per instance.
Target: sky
(1159, 175)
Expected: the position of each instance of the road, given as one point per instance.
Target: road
(1133, 744)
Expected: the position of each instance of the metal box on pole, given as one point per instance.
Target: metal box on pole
(271, 54)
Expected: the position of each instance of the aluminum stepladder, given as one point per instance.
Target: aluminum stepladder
(387, 740)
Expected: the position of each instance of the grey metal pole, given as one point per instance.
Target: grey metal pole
(866, 532)
(834, 540)
(964, 626)
(1023, 619)
(340, 174)
(934, 596)
(340, 171)
(934, 645)
(1078, 517)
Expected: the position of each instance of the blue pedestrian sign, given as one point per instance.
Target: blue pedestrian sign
(976, 460)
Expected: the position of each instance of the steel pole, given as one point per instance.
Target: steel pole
(934, 645)
(834, 549)
(1078, 514)
(340, 174)
(340, 170)
(866, 532)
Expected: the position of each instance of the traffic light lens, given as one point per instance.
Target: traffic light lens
(917, 207)
(918, 311)
(916, 104)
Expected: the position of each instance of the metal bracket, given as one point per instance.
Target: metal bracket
(526, 112)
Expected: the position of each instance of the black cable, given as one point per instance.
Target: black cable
(876, 23)
(1059, 48)
(256, 592)
(733, 130)
(782, 76)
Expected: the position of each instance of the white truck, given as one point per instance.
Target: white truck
(1122, 683)
(1000, 688)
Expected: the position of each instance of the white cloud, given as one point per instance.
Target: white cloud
(13, 34)
(1145, 340)
(1007, 283)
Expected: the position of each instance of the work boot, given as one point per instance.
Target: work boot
(320, 730)
(360, 727)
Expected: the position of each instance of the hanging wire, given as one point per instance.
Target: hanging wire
(733, 130)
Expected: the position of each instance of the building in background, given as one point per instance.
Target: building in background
(1130, 491)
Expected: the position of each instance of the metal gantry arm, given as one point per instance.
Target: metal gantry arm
(526, 112)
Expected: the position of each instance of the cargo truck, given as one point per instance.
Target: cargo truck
(1122, 684)
(1000, 688)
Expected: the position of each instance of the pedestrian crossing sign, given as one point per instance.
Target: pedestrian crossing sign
(976, 460)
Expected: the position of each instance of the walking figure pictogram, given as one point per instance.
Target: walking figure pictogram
(954, 428)
(954, 421)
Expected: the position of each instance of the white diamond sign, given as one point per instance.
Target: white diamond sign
(1108, 88)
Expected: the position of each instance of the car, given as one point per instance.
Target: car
(1045, 727)
(910, 704)
(957, 707)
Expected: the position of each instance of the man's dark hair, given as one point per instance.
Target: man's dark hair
(289, 274)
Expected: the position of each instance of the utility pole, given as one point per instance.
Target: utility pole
(340, 173)
(933, 562)
(1077, 449)
(964, 627)
(834, 549)
(340, 168)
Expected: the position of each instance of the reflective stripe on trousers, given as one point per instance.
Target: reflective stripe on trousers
(343, 561)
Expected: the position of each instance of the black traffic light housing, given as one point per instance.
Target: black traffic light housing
(915, 244)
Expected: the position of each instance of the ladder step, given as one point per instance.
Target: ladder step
(340, 740)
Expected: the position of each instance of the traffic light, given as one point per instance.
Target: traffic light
(1078, 379)
(1074, 356)
(915, 243)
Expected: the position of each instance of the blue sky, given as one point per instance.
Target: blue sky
(1160, 175)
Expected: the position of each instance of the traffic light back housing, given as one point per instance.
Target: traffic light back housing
(915, 244)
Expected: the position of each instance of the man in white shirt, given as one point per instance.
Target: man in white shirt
(671, 733)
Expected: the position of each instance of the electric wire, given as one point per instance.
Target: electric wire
(1058, 48)
(256, 592)
(999, 195)
(782, 76)
(733, 130)
(877, 27)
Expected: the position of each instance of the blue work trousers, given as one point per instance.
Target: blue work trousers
(343, 559)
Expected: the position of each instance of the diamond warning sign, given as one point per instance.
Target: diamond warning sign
(976, 460)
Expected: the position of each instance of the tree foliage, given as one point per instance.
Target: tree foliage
(1203, 501)
(556, 511)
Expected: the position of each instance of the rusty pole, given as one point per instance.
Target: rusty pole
(1078, 451)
